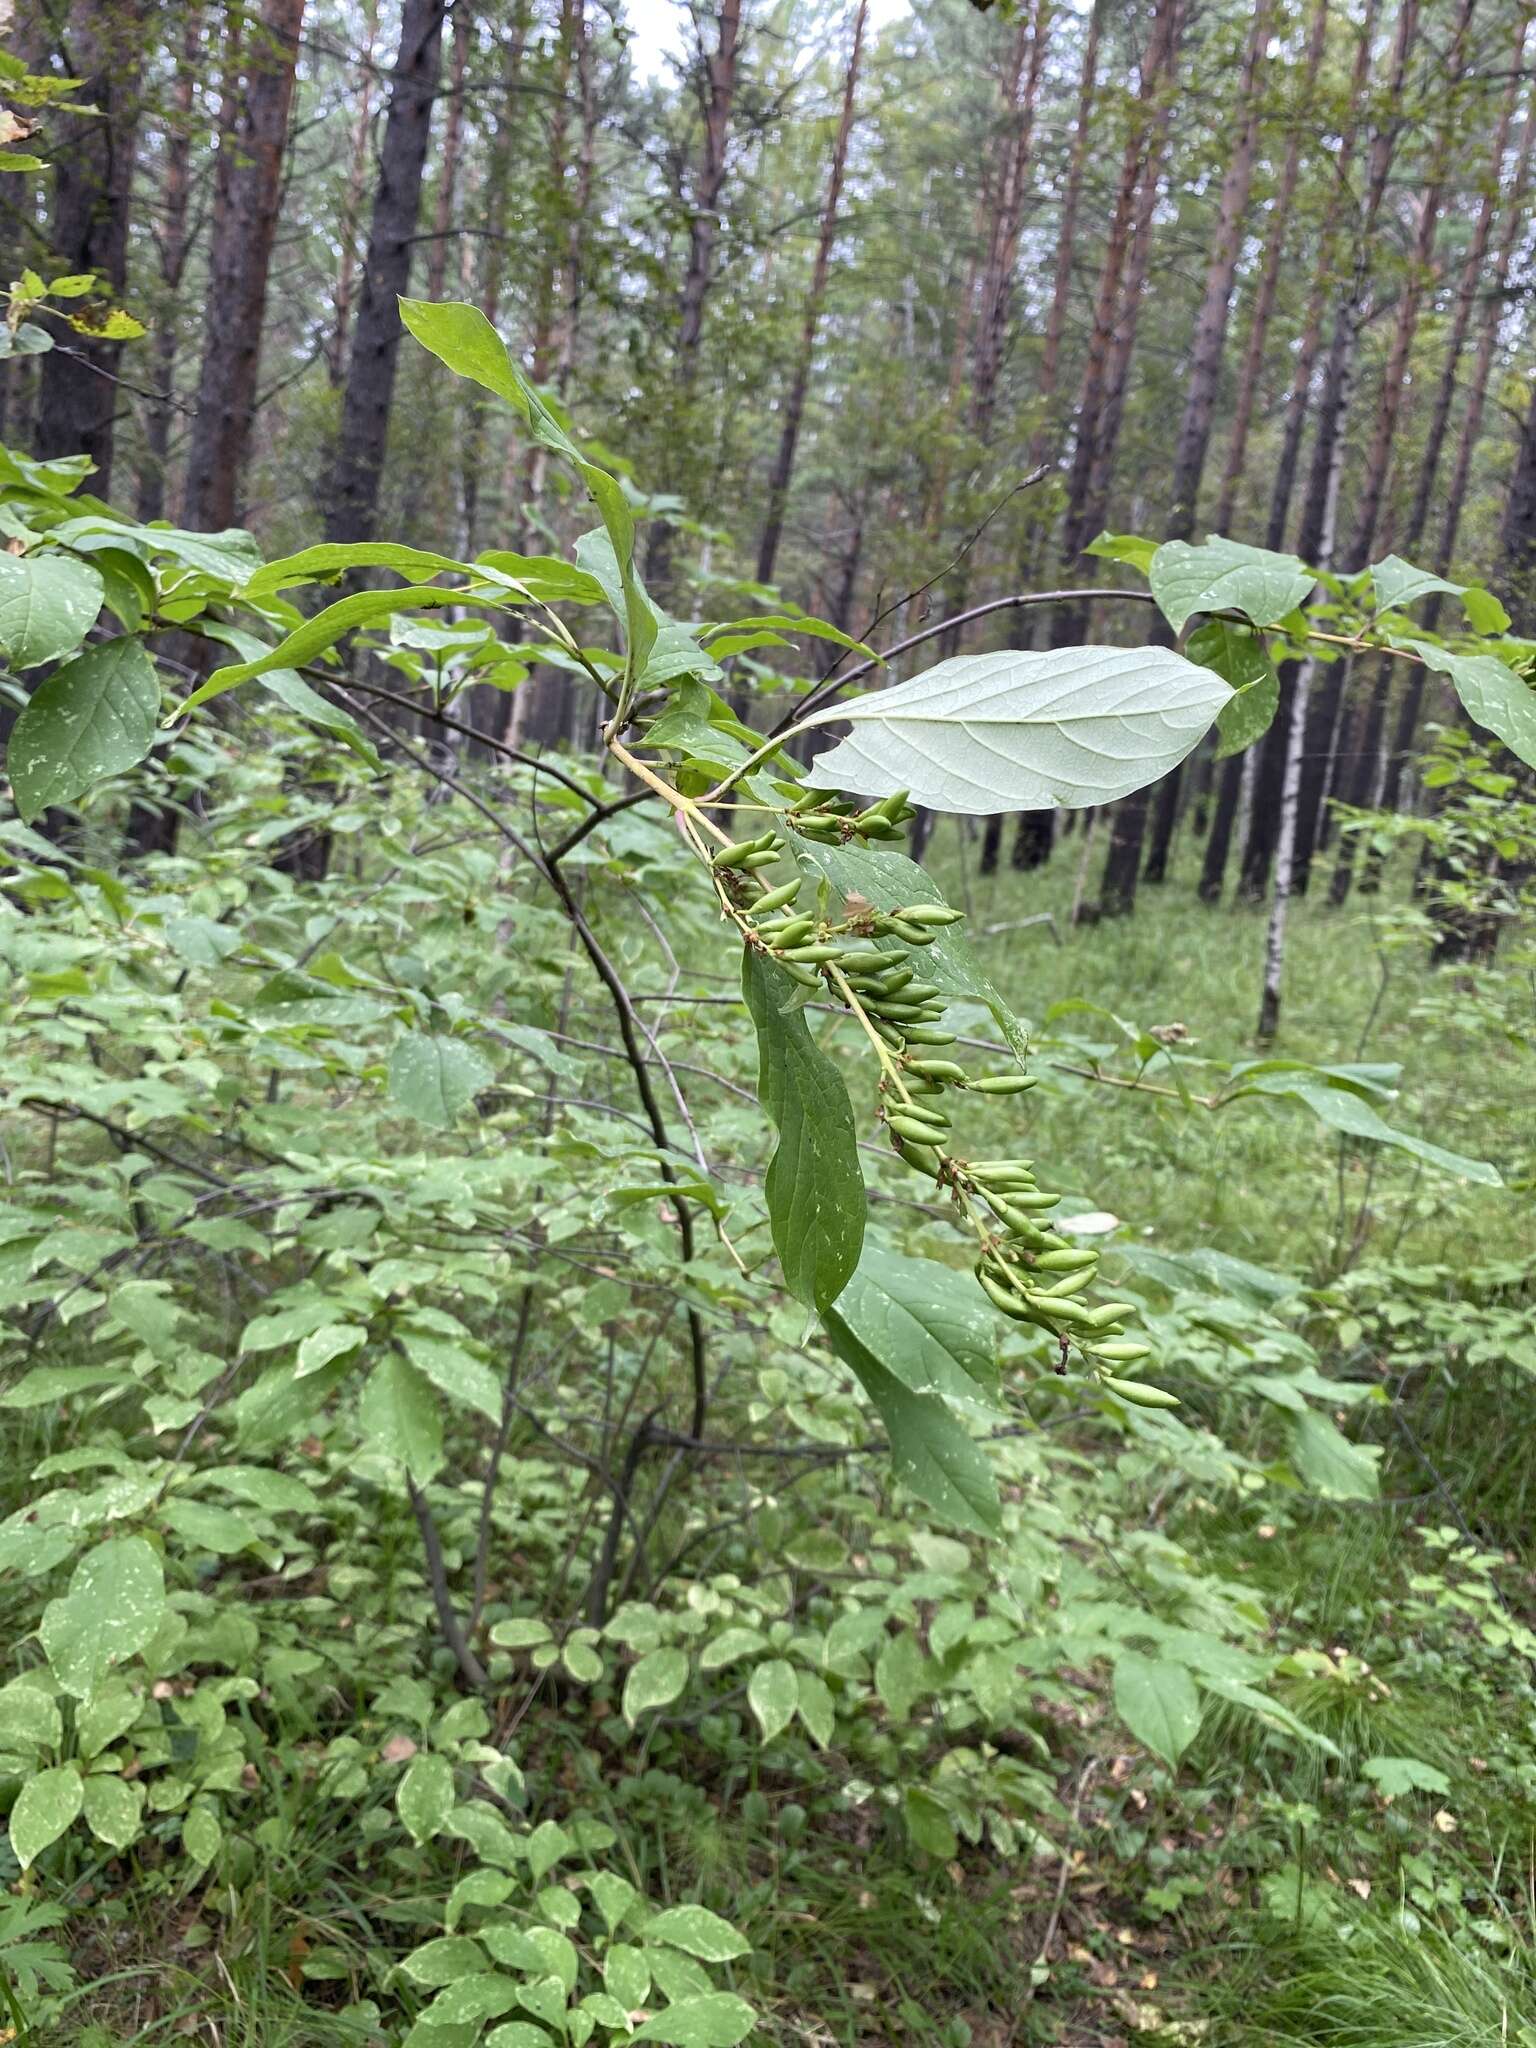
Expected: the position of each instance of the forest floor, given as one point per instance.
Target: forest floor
(1252, 1898)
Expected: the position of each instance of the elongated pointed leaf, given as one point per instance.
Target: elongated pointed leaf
(322, 632)
(1157, 1701)
(1226, 576)
(814, 1188)
(1343, 1110)
(91, 718)
(1024, 732)
(465, 340)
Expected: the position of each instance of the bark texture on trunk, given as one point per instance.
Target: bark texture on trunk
(175, 198)
(99, 43)
(353, 494)
(1047, 432)
(821, 270)
(253, 136)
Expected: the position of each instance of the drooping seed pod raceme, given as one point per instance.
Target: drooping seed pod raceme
(868, 962)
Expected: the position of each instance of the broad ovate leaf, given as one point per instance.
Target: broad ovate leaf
(46, 1806)
(1225, 576)
(115, 1603)
(925, 1323)
(91, 718)
(1157, 1701)
(930, 1450)
(436, 1079)
(1023, 732)
(1238, 657)
(47, 606)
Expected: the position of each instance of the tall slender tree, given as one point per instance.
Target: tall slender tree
(352, 493)
(253, 134)
(172, 241)
(98, 42)
(821, 270)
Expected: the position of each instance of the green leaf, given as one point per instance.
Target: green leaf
(29, 1718)
(201, 1835)
(902, 1674)
(930, 1451)
(455, 1372)
(206, 1527)
(481, 1996)
(925, 1324)
(1343, 1110)
(424, 1799)
(983, 733)
(334, 558)
(46, 1807)
(110, 1712)
(91, 718)
(465, 340)
(291, 690)
(436, 1079)
(718, 2019)
(517, 2034)
(1131, 548)
(47, 606)
(114, 1810)
(317, 635)
(1157, 1701)
(1238, 657)
(1328, 1463)
(1494, 695)
(698, 1932)
(1398, 584)
(816, 1707)
(655, 1681)
(1393, 1776)
(1226, 576)
(814, 1189)
(730, 1644)
(399, 1415)
(442, 1961)
(773, 1695)
(115, 1603)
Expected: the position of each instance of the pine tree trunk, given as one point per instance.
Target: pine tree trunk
(354, 482)
(504, 137)
(1213, 864)
(352, 205)
(1206, 353)
(175, 194)
(703, 240)
(794, 402)
(253, 135)
(92, 158)
(1276, 233)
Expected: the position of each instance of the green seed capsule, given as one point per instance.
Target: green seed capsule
(1000, 1298)
(893, 806)
(914, 934)
(805, 976)
(1074, 1283)
(888, 1032)
(1140, 1395)
(821, 949)
(1072, 1312)
(1066, 1262)
(929, 913)
(1122, 1354)
(734, 856)
(911, 1128)
(1001, 1166)
(929, 1034)
(877, 828)
(938, 1070)
(1113, 1312)
(754, 861)
(794, 931)
(1004, 1084)
(808, 799)
(922, 991)
(921, 1157)
(777, 898)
